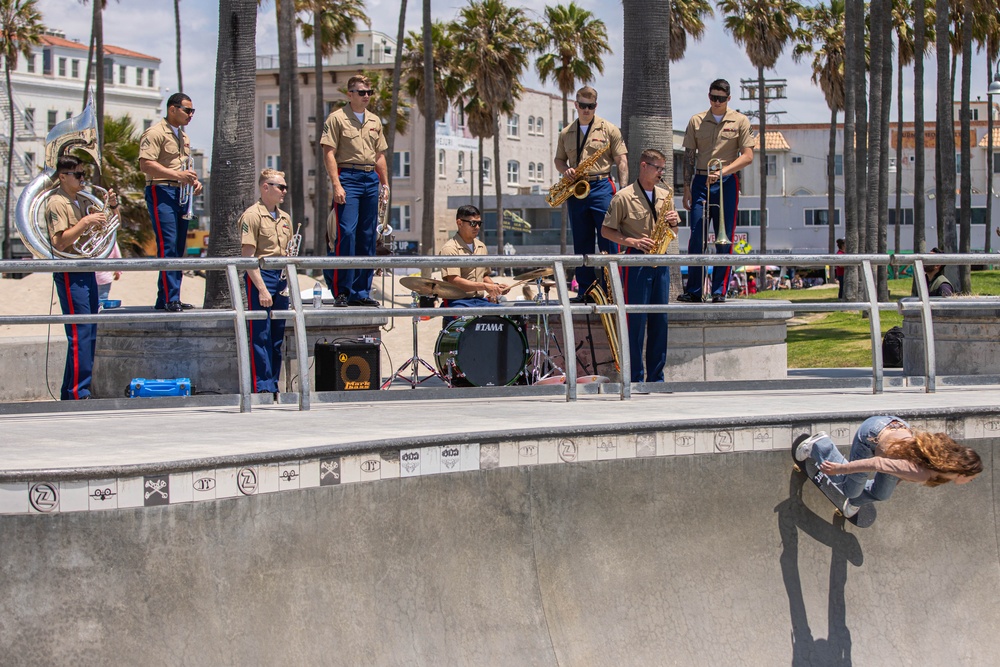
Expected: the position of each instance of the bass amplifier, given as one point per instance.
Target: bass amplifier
(145, 388)
(347, 365)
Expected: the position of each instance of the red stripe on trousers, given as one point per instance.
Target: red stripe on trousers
(161, 249)
(253, 362)
(75, 344)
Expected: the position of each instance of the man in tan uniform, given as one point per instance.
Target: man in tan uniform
(578, 141)
(164, 157)
(354, 155)
(629, 224)
(266, 232)
(717, 134)
(472, 279)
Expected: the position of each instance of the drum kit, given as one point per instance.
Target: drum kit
(484, 351)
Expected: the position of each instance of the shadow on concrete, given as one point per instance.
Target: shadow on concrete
(794, 519)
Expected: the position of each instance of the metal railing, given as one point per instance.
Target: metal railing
(567, 310)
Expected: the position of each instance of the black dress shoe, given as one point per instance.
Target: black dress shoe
(174, 307)
(340, 301)
(186, 306)
(718, 298)
(371, 303)
(688, 297)
(578, 299)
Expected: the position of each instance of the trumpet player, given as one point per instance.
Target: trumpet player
(68, 220)
(266, 231)
(629, 224)
(718, 136)
(579, 140)
(164, 150)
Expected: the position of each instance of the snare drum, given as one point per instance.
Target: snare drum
(482, 351)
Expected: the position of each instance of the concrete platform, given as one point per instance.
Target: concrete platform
(669, 529)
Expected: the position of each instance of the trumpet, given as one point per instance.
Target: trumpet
(294, 243)
(577, 185)
(722, 238)
(186, 197)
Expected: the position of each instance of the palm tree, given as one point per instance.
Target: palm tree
(289, 117)
(880, 78)
(121, 172)
(687, 17)
(232, 148)
(430, 139)
(177, 30)
(945, 140)
(647, 114)
(497, 42)
(574, 42)
(449, 81)
(989, 37)
(763, 28)
(397, 73)
(825, 29)
(965, 219)
(20, 29)
(338, 21)
(921, 43)
(479, 122)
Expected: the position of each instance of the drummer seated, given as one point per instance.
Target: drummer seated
(474, 280)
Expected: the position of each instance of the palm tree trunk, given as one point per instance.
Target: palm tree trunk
(496, 170)
(991, 50)
(647, 117)
(945, 134)
(965, 238)
(866, 241)
(919, 216)
(831, 185)
(482, 176)
(7, 253)
(321, 184)
(98, 32)
(430, 119)
(232, 147)
(89, 70)
(762, 111)
(564, 210)
(285, 16)
(853, 21)
(397, 70)
(899, 154)
(885, 99)
(177, 24)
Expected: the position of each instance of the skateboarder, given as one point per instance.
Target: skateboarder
(887, 446)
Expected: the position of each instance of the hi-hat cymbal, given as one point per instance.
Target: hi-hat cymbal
(431, 287)
(535, 273)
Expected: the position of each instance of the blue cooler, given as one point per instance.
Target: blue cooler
(143, 388)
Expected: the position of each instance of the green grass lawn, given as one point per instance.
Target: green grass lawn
(843, 339)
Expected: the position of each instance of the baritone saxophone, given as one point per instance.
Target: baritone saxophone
(577, 186)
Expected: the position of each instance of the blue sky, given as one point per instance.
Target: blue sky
(148, 27)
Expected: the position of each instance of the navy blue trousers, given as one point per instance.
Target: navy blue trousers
(266, 336)
(78, 296)
(356, 219)
(730, 200)
(586, 217)
(647, 285)
(170, 234)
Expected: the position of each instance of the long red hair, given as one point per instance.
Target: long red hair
(936, 452)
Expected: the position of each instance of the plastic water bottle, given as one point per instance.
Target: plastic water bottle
(318, 294)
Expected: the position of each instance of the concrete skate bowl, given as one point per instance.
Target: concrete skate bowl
(704, 559)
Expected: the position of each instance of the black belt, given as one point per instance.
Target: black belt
(171, 184)
(705, 172)
(360, 167)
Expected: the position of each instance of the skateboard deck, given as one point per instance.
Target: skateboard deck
(865, 516)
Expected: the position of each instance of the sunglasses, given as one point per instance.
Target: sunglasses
(281, 187)
(654, 167)
(718, 99)
(187, 110)
(79, 174)
(587, 105)
(364, 93)
(474, 223)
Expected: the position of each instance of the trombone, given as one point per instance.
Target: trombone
(722, 238)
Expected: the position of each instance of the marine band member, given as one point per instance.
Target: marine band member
(474, 280)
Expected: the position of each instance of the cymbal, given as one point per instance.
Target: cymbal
(431, 287)
(535, 273)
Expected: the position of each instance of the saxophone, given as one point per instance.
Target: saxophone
(662, 234)
(597, 294)
(577, 186)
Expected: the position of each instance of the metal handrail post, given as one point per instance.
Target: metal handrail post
(242, 337)
(875, 322)
(624, 347)
(926, 321)
(301, 343)
(569, 335)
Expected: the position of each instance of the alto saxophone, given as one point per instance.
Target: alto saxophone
(577, 186)
(597, 294)
(662, 234)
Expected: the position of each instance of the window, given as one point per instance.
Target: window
(461, 164)
(401, 164)
(512, 123)
(146, 124)
(539, 172)
(539, 124)
(796, 159)
(487, 170)
(138, 76)
(29, 63)
(838, 165)
(361, 50)
(561, 126)
(442, 163)
(531, 125)
(906, 217)
(531, 168)
(29, 119)
(53, 119)
(892, 165)
(270, 116)
(62, 67)
(149, 78)
(772, 165)
(75, 68)
(996, 163)
(820, 217)
(513, 172)
(399, 218)
(47, 62)
(69, 114)
(122, 71)
(958, 163)
(273, 162)
(748, 218)
(29, 162)
(978, 216)
(461, 117)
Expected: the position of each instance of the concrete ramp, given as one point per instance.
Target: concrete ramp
(715, 559)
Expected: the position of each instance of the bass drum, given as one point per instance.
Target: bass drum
(482, 351)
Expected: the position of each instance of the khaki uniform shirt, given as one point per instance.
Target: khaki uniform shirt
(629, 211)
(455, 247)
(600, 134)
(160, 144)
(61, 212)
(353, 142)
(269, 237)
(723, 141)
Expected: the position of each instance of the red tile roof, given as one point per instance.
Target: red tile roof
(109, 49)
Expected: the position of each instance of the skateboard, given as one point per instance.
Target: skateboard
(865, 516)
